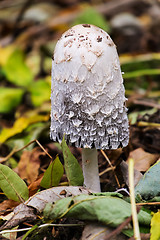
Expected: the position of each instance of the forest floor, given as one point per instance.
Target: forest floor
(29, 31)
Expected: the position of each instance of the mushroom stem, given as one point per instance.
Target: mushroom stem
(90, 169)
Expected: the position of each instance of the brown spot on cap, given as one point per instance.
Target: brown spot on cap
(86, 25)
(99, 39)
(69, 35)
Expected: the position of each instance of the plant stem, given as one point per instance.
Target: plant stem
(132, 198)
(90, 169)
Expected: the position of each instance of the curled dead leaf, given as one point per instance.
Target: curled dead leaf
(142, 160)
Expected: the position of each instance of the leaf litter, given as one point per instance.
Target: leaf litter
(25, 109)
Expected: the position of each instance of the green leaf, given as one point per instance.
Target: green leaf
(108, 210)
(53, 174)
(12, 185)
(10, 98)
(29, 232)
(140, 73)
(33, 131)
(21, 124)
(16, 70)
(149, 187)
(134, 115)
(40, 92)
(72, 167)
(155, 229)
(90, 16)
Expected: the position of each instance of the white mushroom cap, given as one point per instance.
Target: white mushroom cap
(87, 90)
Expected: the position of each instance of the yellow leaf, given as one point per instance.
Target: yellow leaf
(21, 124)
(5, 52)
(155, 229)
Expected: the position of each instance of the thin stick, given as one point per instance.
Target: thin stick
(147, 203)
(119, 229)
(3, 159)
(132, 198)
(41, 226)
(106, 170)
(111, 167)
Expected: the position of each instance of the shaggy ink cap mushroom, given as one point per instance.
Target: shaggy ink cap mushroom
(88, 96)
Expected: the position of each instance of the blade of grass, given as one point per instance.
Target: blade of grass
(132, 198)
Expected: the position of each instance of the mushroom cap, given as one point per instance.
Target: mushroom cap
(87, 96)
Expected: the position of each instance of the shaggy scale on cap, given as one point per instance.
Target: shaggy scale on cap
(88, 96)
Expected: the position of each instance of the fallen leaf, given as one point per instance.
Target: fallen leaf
(142, 160)
(124, 170)
(16, 70)
(26, 211)
(10, 98)
(7, 205)
(22, 123)
(148, 187)
(155, 229)
(22, 213)
(5, 53)
(97, 231)
(108, 208)
(12, 185)
(40, 92)
(39, 200)
(29, 164)
(10, 235)
(34, 186)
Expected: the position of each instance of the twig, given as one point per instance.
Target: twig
(41, 226)
(147, 124)
(17, 150)
(146, 103)
(3, 159)
(106, 170)
(147, 203)
(132, 198)
(111, 167)
(119, 229)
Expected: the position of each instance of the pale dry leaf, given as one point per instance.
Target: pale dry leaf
(142, 160)
(124, 170)
(97, 231)
(28, 211)
(40, 199)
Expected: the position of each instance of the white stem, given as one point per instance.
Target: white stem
(90, 169)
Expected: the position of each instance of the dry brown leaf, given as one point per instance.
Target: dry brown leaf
(7, 205)
(142, 160)
(33, 187)
(28, 167)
